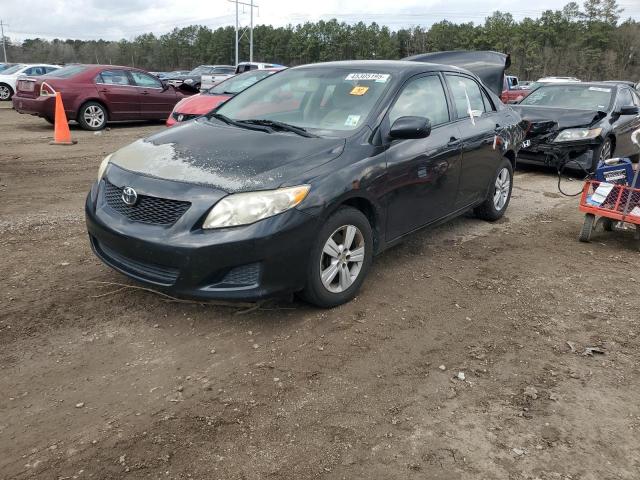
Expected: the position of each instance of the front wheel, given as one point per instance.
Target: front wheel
(340, 259)
(497, 202)
(587, 228)
(92, 116)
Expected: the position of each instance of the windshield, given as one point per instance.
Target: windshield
(327, 101)
(581, 97)
(13, 69)
(67, 72)
(199, 70)
(239, 83)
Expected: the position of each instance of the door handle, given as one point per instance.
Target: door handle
(454, 142)
(104, 90)
(144, 92)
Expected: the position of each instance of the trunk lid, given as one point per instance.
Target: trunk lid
(488, 66)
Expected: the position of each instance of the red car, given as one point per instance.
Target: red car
(96, 94)
(202, 103)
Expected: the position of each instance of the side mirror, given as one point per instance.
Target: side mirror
(410, 128)
(629, 110)
(165, 85)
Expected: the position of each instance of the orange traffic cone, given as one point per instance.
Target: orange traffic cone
(61, 135)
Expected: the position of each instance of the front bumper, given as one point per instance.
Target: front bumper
(40, 106)
(556, 156)
(267, 258)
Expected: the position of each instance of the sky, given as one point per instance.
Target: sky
(117, 19)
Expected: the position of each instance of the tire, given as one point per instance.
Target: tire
(603, 152)
(6, 92)
(497, 201)
(93, 116)
(342, 276)
(587, 228)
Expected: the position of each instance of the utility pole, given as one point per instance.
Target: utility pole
(4, 48)
(239, 35)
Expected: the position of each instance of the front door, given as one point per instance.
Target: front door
(479, 124)
(156, 102)
(118, 93)
(625, 125)
(422, 174)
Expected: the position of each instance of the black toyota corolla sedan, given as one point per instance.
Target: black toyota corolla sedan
(579, 124)
(296, 183)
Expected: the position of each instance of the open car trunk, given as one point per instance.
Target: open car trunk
(488, 66)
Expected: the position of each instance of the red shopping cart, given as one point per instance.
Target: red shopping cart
(610, 204)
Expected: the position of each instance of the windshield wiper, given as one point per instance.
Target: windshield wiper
(229, 121)
(282, 126)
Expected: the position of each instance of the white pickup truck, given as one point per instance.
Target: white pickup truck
(212, 79)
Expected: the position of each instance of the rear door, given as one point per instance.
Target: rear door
(156, 102)
(423, 174)
(479, 122)
(117, 92)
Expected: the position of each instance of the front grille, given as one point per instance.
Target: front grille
(151, 210)
(159, 274)
(185, 116)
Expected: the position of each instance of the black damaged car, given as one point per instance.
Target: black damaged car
(296, 183)
(579, 124)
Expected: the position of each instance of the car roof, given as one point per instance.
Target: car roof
(582, 84)
(387, 66)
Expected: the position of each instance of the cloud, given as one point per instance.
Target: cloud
(116, 19)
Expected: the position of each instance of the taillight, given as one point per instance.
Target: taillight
(46, 90)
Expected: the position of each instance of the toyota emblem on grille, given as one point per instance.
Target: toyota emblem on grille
(129, 196)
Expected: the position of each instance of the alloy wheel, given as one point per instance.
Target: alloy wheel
(5, 93)
(93, 116)
(605, 151)
(503, 187)
(342, 258)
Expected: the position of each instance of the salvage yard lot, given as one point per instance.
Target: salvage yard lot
(104, 381)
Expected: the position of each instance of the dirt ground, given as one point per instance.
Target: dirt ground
(464, 357)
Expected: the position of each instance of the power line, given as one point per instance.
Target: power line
(4, 48)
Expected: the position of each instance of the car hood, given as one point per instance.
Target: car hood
(488, 66)
(544, 119)
(228, 158)
(200, 104)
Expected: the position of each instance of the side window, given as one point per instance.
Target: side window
(488, 104)
(464, 88)
(145, 80)
(113, 77)
(624, 98)
(422, 97)
(29, 71)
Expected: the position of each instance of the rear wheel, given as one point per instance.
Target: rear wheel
(92, 116)
(6, 92)
(340, 259)
(497, 202)
(587, 228)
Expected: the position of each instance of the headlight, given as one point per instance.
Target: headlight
(189, 80)
(103, 166)
(245, 208)
(573, 134)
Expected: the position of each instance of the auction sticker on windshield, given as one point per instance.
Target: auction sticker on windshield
(359, 91)
(376, 77)
(352, 120)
